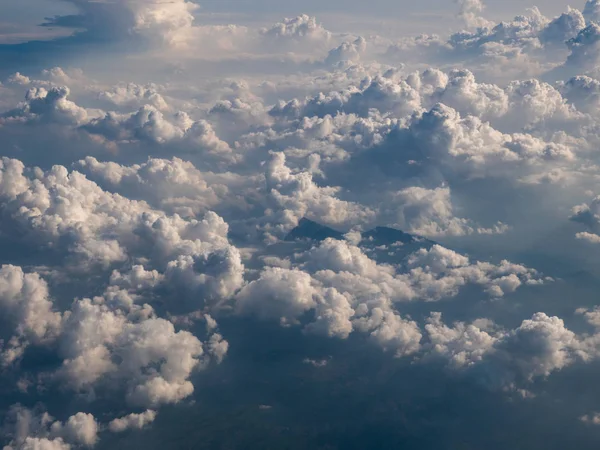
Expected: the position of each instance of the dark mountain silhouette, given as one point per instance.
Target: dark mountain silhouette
(307, 229)
(385, 235)
(310, 230)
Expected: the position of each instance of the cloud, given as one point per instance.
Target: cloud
(49, 105)
(28, 311)
(347, 52)
(591, 11)
(279, 293)
(299, 29)
(133, 95)
(429, 213)
(81, 429)
(336, 290)
(95, 337)
(33, 429)
(591, 419)
(168, 23)
(296, 195)
(588, 215)
(470, 13)
(506, 359)
(132, 421)
(43, 444)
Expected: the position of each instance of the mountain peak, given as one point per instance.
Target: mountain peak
(308, 229)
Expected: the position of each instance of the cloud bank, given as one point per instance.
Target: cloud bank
(206, 200)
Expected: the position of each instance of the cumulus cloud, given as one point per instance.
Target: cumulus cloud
(132, 421)
(49, 105)
(133, 95)
(347, 52)
(300, 28)
(588, 214)
(95, 337)
(28, 312)
(506, 359)
(161, 22)
(337, 290)
(296, 195)
(591, 11)
(470, 13)
(429, 213)
(34, 429)
(81, 429)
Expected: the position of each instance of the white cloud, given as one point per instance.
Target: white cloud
(591, 419)
(27, 310)
(81, 429)
(31, 443)
(429, 213)
(278, 294)
(470, 13)
(165, 23)
(296, 195)
(300, 28)
(96, 337)
(132, 421)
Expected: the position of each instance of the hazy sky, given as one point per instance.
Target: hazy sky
(19, 19)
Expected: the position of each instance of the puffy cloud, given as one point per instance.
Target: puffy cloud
(48, 105)
(217, 346)
(440, 272)
(590, 237)
(27, 310)
(591, 419)
(470, 13)
(583, 92)
(31, 443)
(340, 290)
(165, 23)
(278, 294)
(463, 345)
(132, 421)
(384, 92)
(67, 212)
(150, 124)
(347, 51)
(591, 11)
(563, 27)
(462, 92)
(36, 430)
(333, 315)
(506, 359)
(171, 185)
(134, 96)
(206, 278)
(391, 331)
(296, 195)
(538, 347)
(81, 429)
(302, 28)
(429, 213)
(584, 48)
(98, 343)
(589, 216)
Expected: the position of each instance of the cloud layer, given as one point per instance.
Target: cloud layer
(202, 199)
